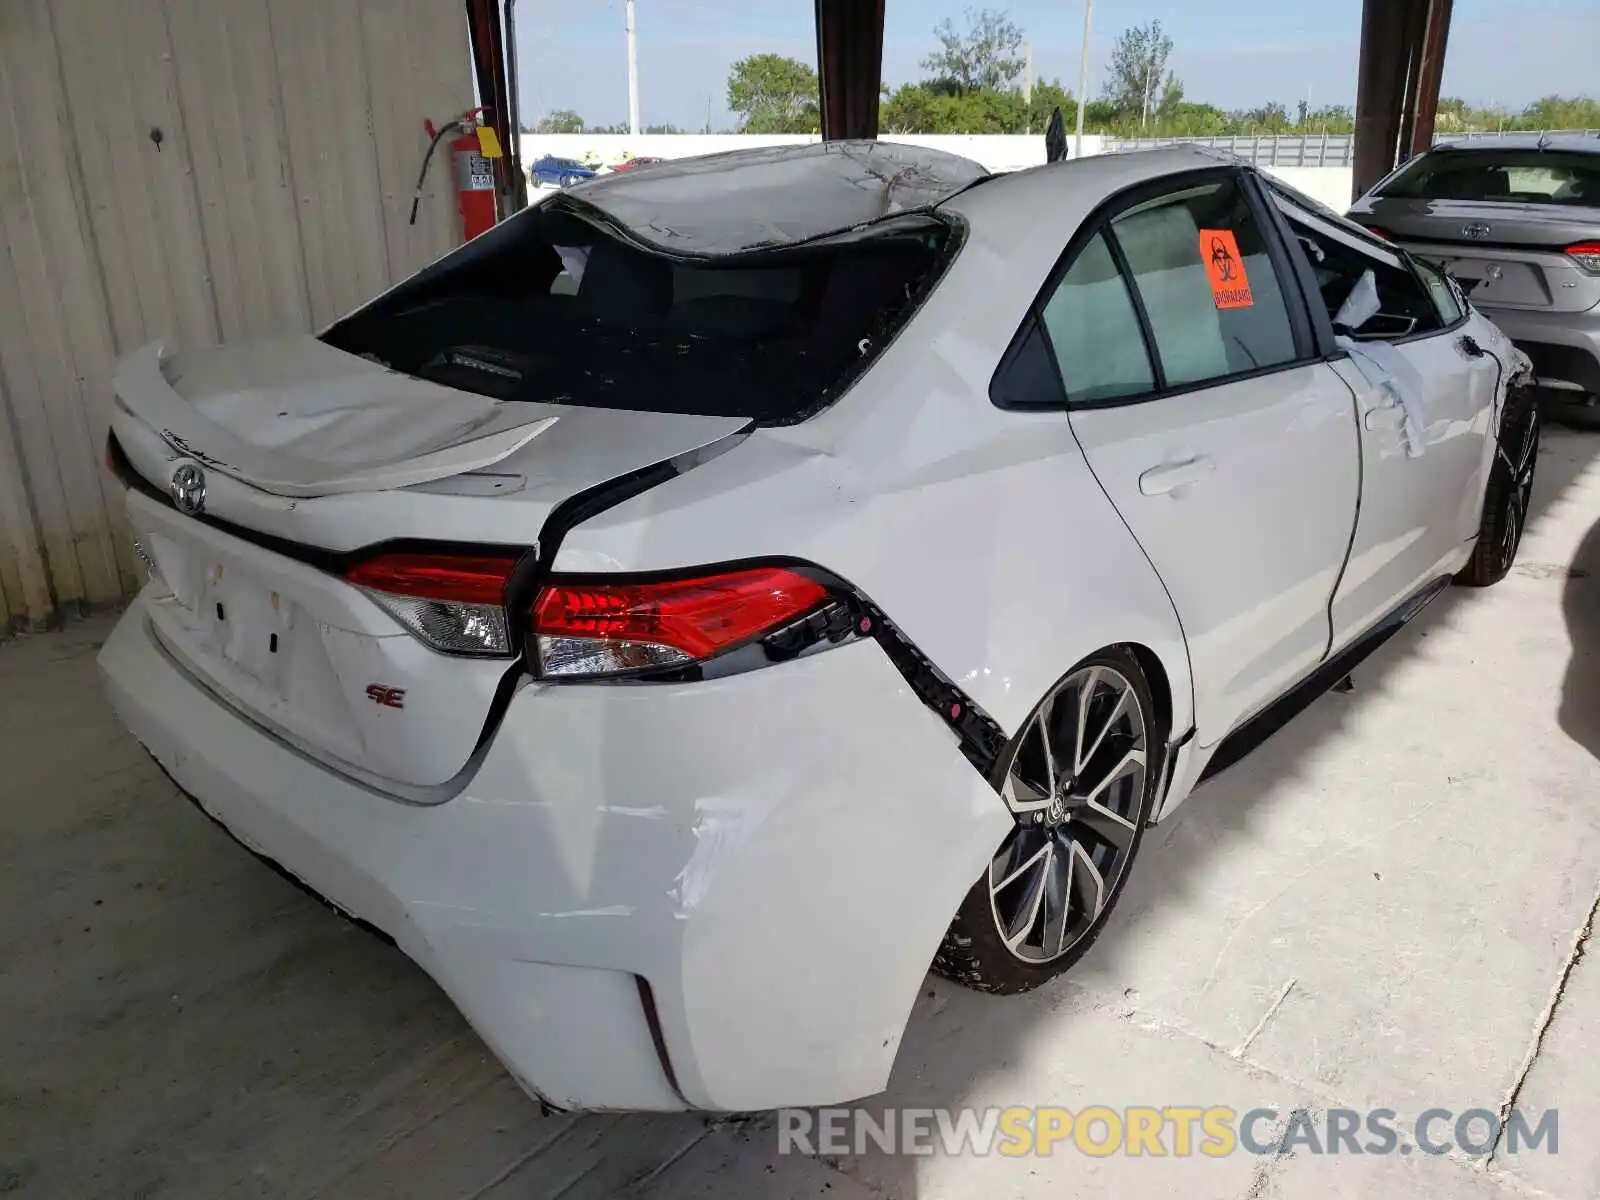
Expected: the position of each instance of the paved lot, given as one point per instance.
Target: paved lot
(1388, 905)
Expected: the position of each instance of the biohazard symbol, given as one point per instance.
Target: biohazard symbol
(1230, 284)
(1222, 260)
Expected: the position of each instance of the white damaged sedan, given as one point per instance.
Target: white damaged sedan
(683, 614)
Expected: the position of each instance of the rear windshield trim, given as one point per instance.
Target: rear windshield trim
(540, 310)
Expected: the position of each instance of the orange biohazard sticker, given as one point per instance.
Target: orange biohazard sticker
(1230, 286)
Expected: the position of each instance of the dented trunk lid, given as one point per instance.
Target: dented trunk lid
(311, 458)
(1511, 255)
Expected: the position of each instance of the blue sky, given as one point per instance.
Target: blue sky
(1233, 53)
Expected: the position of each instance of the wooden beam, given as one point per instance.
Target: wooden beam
(1380, 85)
(1430, 75)
(849, 66)
(1397, 96)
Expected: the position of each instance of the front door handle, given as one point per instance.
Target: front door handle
(1158, 481)
(1385, 416)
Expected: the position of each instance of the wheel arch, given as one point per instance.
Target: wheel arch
(1155, 673)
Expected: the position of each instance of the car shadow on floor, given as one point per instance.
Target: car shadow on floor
(1580, 603)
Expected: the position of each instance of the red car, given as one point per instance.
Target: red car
(629, 164)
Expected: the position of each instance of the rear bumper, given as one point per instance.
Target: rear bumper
(1564, 347)
(775, 855)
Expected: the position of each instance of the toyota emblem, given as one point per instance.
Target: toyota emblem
(1476, 230)
(188, 489)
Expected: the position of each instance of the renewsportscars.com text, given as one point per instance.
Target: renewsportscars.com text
(1170, 1131)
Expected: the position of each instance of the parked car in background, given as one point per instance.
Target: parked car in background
(1517, 220)
(678, 618)
(551, 171)
(639, 160)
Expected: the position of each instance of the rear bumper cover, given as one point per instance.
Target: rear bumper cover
(1563, 346)
(775, 854)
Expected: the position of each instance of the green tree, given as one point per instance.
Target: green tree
(1047, 97)
(1262, 120)
(774, 94)
(1451, 113)
(912, 108)
(1331, 118)
(1140, 81)
(562, 120)
(1561, 112)
(988, 111)
(1171, 100)
(987, 56)
(1099, 116)
(1269, 118)
(925, 108)
(1193, 120)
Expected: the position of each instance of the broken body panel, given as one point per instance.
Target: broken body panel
(319, 452)
(619, 882)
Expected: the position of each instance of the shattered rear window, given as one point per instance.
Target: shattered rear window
(554, 308)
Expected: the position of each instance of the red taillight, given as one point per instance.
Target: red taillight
(1586, 255)
(468, 579)
(602, 628)
(1379, 231)
(453, 603)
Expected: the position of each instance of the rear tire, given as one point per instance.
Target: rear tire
(1080, 778)
(1505, 501)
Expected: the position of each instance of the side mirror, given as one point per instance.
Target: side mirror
(1382, 327)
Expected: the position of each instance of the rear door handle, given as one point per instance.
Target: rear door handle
(1158, 481)
(1385, 416)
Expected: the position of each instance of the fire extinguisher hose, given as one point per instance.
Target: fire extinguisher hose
(448, 127)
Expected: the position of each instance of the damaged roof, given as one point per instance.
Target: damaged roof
(776, 195)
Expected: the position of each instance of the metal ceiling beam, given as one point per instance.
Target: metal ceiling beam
(486, 40)
(1380, 86)
(849, 66)
(1431, 74)
(1397, 94)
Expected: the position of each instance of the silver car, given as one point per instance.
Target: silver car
(1517, 220)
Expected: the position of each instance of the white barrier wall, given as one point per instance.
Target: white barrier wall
(1331, 185)
(998, 152)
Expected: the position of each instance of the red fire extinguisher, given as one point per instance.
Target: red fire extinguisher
(472, 156)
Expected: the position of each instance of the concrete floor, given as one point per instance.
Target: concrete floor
(1417, 862)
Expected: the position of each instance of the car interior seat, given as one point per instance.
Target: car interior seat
(624, 286)
(1162, 246)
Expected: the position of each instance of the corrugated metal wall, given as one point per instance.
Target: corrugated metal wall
(290, 137)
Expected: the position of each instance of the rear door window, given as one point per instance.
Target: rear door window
(1207, 284)
(1169, 293)
(1094, 330)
